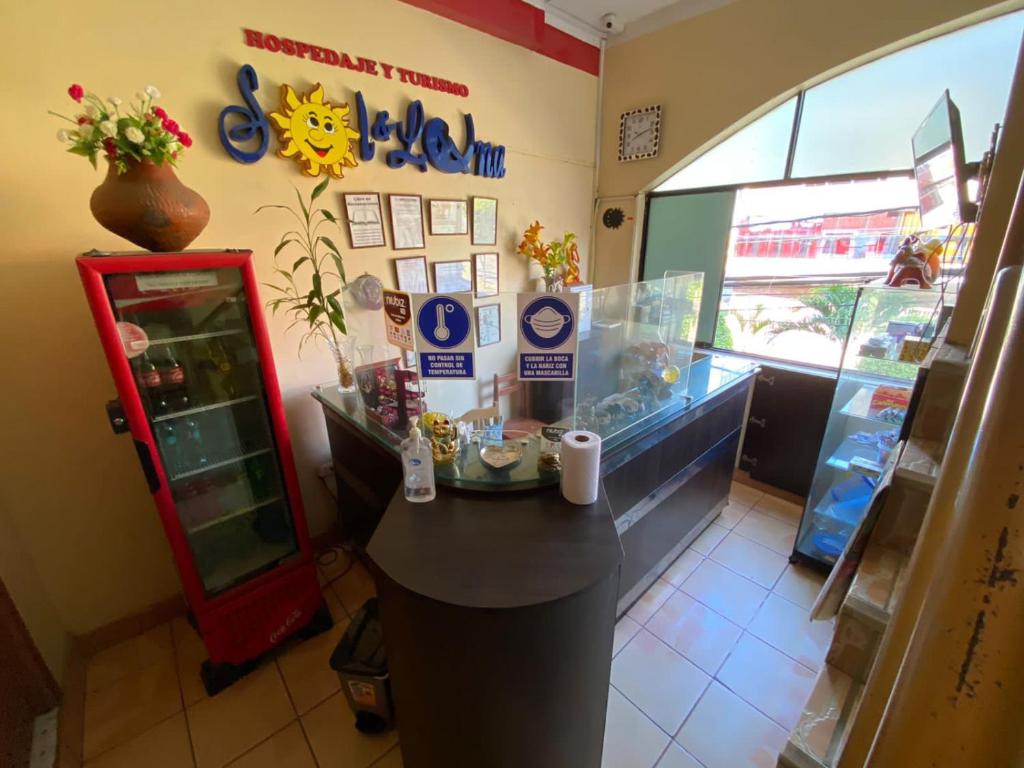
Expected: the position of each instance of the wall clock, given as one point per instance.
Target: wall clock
(640, 133)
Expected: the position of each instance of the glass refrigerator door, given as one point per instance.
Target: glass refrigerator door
(891, 329)
(201, 385)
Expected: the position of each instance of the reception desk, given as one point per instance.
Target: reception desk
(665, 477)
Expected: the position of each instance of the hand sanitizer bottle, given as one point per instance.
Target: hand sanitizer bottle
(417, 465)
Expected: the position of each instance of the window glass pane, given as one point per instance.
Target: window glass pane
(756, 152)
(863, 120)
(797, 255)
(690, 233)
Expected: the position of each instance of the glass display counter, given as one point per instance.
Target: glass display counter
(891, 331)
(635, 361)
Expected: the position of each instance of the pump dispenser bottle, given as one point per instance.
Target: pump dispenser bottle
(417, 465)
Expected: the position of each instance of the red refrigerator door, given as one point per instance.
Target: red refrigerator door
(186, 343)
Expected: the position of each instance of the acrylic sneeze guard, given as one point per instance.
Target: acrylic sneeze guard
(633, 365)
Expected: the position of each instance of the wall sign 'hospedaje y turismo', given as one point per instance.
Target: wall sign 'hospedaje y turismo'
(319, 134)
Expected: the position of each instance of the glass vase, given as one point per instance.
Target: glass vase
(344, 354)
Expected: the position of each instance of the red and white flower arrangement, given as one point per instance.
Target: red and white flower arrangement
(139, 133)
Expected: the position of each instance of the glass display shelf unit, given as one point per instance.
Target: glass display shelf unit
(635, 369)
(201, 386)
(890, 330)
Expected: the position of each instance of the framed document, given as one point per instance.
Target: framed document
(448, 217)
(485, 221)
(406, 221)
(411, 274)
(453, 276)
(365, 225)
(485, 274)
(488, 324)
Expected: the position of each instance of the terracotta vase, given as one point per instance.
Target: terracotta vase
(149, 206)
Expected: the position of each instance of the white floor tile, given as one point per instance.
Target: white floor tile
(725, 732)
(788, 628)
(631, 740)
(725, 592)
(748, 558)
(768, 679)
(658, 680)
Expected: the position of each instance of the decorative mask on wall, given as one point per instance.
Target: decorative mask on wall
(315, 133)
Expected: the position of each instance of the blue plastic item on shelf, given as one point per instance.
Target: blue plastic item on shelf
(854, 488)
(849, 512)
(829, 544)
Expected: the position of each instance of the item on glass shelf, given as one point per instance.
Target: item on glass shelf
(314, 132)
(888, 396)
(170, 448)
(315, 304)
(549, 461)
(367, 291)
(418, 465)
(443, 442)
(141, 198)
(581, 465)
(430, 418)
(865, 466)
(501, 457)
(914, 349)
(194, 438)
(147, 376)
(892, 415)
(219, 368)
(876, 347)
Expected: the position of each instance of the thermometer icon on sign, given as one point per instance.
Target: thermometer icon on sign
(441, 332)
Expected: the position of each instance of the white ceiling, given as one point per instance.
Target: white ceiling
(582, 18)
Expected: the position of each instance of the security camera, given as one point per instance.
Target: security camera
(610, 23)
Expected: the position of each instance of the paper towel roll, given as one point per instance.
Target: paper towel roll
(581, 466)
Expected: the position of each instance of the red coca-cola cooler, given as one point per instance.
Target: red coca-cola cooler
(187, 345)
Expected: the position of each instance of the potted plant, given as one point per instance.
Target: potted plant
(309, 291)
(141, 198)
(559, 260)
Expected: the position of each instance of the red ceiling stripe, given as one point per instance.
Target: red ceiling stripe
(520, 23)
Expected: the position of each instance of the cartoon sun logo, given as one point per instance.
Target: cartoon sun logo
(316, 134)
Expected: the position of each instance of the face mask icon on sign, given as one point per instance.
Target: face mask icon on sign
(547, 322)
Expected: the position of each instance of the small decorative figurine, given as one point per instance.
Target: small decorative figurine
(916, 263)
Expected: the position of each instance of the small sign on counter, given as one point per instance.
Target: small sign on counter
(548, 330)
(444, 335)
(397, 319)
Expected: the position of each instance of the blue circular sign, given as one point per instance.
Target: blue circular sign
(547, 322)
(443, 322)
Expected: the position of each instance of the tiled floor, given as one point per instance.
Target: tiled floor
(712, 666)
(145, 704)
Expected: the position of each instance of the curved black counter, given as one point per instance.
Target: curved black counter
(496, 551)
(499, 608)
(498, 613)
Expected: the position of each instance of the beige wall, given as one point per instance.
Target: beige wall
(716, 72)
(73, 490)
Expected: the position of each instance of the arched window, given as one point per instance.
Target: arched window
(819, 191)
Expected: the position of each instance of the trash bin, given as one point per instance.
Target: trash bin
(362, 667)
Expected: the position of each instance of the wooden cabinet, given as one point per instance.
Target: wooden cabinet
(787, 420)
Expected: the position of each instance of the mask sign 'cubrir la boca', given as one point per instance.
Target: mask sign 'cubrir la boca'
(548, 330)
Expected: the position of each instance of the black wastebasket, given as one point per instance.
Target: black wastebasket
(362, 667)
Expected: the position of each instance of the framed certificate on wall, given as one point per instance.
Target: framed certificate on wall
(411, 274)
(485, 221)
(406, 221)
(488, 324)
(448, 217)
(365, 225)
(452, 276)
(485, 274)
